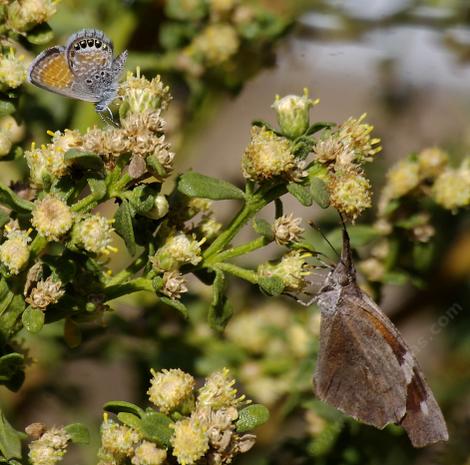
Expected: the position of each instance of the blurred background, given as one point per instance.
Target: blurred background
(407, 65)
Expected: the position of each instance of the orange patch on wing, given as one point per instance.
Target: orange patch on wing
(54, 71)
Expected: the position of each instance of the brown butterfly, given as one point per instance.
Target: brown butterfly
(364, 367)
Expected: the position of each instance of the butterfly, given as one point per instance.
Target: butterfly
(84, 69)
(364, 366)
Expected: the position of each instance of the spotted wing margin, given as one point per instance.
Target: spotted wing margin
(50, 71)
(423, 420)
(356, 370)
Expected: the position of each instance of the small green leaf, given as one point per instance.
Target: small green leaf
(176, 304)
(86, 160)
(220, 309)
(6, 108)
(194, 184)
(118, 406)
(301, 193)
(12, 370)
(423, 255)
(98, 187)
(251, 417)
(14, 201)
(129, 419)
(155, 167)
(78, 433)
(156, 427)
(72, 333)
(41, 34)
(33, 319)
(272, 285)
(10, 443)
(264, 228)
(123, 226)
(319, 192)
(10, 317)
(319, 127)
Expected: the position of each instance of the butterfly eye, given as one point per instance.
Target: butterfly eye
(98, 43)
(83, 43)
(90, 42)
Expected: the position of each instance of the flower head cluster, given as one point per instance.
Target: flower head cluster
(201, 428)
(269, 156)
(51, 217)
(12, 70)
(10, 133)
(48, 161)
(451, 188)
(169, 389)
(14, 252)
(23, 15)
(174, 285)
(49, 448)
(292, 270)
(177, 250)
(93, 233)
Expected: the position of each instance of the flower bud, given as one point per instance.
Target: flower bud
(174, 285)
(287, 229)
(118, 439)
(160, 208)
(432, 162)
(451, 189)
(176, 251)
(148, 453)
(218, 391)
(93, 233)
(293, 114)
(12, 70)
(49, 448)
(25, 14)
(14, 252)
(402, 178)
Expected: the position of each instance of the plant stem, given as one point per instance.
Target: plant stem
(118, 290)
(84, 204)
(129, 271)
(248, 275)
(240, 250)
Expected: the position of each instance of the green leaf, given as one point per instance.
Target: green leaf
(79, 433)
(156, 427)
(272, 285)
(86, 160)
(220, 309)
(123, 226)
(319, 192)
(155, 167)
(118, 406)
(194, 184)
(72, 333)
(318, 127)
(423, 255)
(176, 304)
(264, 228)
(14, 201)
(6, 108)
(251, 417)
(33, 319)
(6, 295)
(129, 419)
(12, 370)
(41, 34)
(98, 188)
(10, 443)
(301, 193)
(395, 277)
(10, 317)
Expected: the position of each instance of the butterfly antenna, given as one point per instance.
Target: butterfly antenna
(317, 228)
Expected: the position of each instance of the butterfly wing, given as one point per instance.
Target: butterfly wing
(50, 71)
(351, 371)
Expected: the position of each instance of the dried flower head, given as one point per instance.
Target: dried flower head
(12, 70)
(372, 268)
(45, 293)
(174, 285)
(119, 440)
(329, 149)
(189, 441)
(218, 391)
(350, 193)
(147, 453)
(209, 228)
(170, 388)
(287, 229)
(267, 156)
(51, 217)
(111, 142)
(292, 270)
(177, 250)
(14, 252)
(293, 113)
(93, 233)
(141, 95)
(49, 448)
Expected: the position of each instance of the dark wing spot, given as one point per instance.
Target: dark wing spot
(77, 47)
(90, 42)
(89, 81)
(98, 43)
(83, 43)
